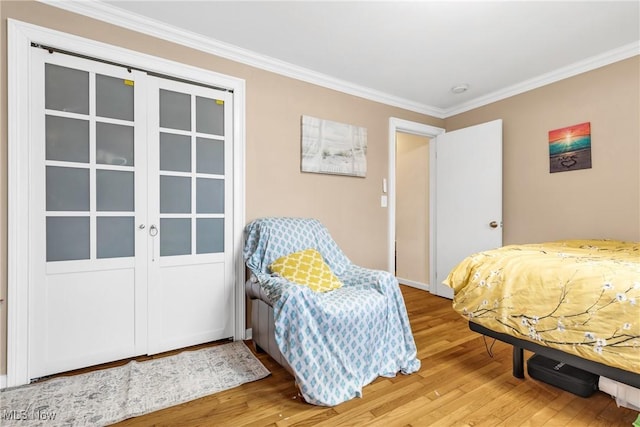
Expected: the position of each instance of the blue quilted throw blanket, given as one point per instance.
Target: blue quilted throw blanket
(336, 342)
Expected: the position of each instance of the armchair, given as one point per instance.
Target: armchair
(335, 342)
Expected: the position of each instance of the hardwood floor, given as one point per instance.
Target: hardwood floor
(459, 384)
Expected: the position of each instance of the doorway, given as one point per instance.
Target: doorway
(424, 132)
(465, 194)
(412, 210)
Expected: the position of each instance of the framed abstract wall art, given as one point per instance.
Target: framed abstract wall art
(333, 148)
(570, 148)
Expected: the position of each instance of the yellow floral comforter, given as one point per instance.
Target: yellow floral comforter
(579, 296)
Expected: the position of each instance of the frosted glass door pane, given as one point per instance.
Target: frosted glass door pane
(209, 116)
(114, 97)
(175, 152)
(114, 144)
(210, 156)
(175, 236)
(209, 235)
(67, 238)
(175, 194)
(67, 139)
(175, 110)
(114, 191)
(67, 189)
(115, 237)
(209, 195)
(66, 89)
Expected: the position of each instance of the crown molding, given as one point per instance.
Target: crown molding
(101, 11)
(107, 13)
(597, 61)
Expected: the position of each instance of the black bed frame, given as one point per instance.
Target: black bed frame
(617, 374)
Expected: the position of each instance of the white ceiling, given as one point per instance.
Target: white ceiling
(411, 52)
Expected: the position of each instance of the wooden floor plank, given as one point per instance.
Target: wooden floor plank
(460, 411)
(459, 384)
(377, 403)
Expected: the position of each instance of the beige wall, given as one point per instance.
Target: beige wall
(601, 202)
(412, 208)
(349, 207)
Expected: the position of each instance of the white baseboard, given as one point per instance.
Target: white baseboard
(248, 334)
(3, 382)
(418, 285)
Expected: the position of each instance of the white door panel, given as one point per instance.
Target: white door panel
(468, 196)
(108, 312)
(190, 189)
(190, 311)
(87, 193)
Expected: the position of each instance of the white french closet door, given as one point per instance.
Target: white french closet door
(190, 199)
(88, 300)
(130, 226)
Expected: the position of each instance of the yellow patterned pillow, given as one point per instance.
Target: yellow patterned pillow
(306, 268)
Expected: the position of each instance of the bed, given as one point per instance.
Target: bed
(575, 301)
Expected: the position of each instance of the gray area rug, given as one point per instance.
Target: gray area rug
(111, 395)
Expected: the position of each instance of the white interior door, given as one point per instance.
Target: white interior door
(76, 294)
(468, 196)
(87, 195)
(131, 226)
(190, 204)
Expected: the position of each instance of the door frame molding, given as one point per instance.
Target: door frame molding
(20, 37)
(431, 132)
